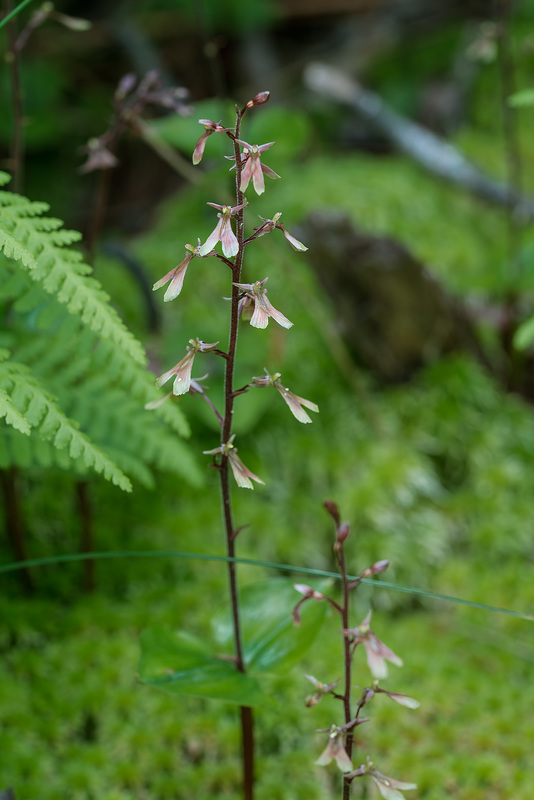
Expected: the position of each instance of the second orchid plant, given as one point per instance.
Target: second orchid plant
(339, 748)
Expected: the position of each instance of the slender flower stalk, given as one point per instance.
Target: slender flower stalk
(341, 737)
(229, 232)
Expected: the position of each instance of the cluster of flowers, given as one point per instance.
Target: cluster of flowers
(253, 296)
(377, 653)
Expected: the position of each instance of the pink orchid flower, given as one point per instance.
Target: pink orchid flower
(294, 402)
(377, 652)
(182, 370)
(209, 128)
(335, 751)
(270, 224)
(242, 474)
(223, 232)
(263, 308)
(176, 276)
(253, 170)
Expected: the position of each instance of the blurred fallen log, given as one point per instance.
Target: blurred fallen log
(394, 316)
(424, 147)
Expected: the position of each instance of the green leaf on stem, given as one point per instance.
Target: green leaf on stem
(524, 335)
(271, 640)
(177, 662)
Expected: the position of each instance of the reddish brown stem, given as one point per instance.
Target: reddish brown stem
(347, 660)
(226, 432)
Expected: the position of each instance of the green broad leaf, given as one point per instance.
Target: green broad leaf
(524, 335)
(177, 662)
(271, 639)
(522, 99)
(290, 129)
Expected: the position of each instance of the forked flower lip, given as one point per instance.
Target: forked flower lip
(263, 308)
(295, 403)
(243, 476)
(222, 232)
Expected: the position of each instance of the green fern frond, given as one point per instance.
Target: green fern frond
(14, 249)
(40, 410)
(11, 415)
(41, 249)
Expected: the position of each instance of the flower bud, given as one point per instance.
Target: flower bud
(333, 510)
(258, 99)
(343, 532)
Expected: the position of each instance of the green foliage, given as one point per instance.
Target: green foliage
(74, 359)
(38, 409)
(40, 244)
(182, 664)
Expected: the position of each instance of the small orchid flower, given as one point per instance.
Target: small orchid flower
(182, 370)
(320, 690)
(389, 788)
(270, 224)
(99, 156)
(253, 170)
(294, 402)
(176, 276)
(209, 128)
(309, 594)
(377, 652)
(242, 474)
(402, 699)
(335, 751)
(223, 232)
(263, 308)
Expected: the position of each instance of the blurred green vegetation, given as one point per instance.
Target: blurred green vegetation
(436, 476)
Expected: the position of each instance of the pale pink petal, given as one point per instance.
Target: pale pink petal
(166, 278)
(295, 244)
(242, 474)
(260, 317)
(389, 788)
(342, 759)
(263, 147)
(162, 380)
(246, 174)
(278, 316)
(402, 699)
(175, 286)
(269, 172)
(157, 403)
(375, 661)
(213, 238)
(230, 245)
(199, 147)
(257, 175)
(294, 405)
(326, 756)
(182, 382)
